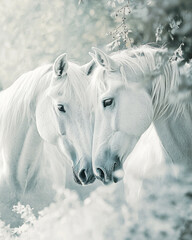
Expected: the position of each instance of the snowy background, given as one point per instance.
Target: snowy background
(34, 33)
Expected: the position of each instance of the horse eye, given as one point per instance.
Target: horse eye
(107, 102)
(61, 108)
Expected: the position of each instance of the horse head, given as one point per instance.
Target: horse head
(63, 116)
(122, 112)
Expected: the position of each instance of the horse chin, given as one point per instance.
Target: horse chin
(90, 180)
(114, 179)
(117, 174)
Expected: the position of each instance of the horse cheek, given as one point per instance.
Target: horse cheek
(45, 121)
(135, 113)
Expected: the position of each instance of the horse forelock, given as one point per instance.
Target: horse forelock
(17, 101)
(72, 87)
(97, 85)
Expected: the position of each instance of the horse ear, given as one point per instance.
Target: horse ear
(60, 65)
(104, 60)
(89, 67)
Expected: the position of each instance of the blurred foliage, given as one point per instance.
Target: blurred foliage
(35, 32)
(165, 22)
(160, 23)
(107, 214)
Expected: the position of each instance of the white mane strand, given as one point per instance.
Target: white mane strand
(17, 105)
(16, 102)
(151, 65)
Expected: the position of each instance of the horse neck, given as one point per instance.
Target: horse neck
(173, 121)
(21, 156)
(175, 135)
(22, 180)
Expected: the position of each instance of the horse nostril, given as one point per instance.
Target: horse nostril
(100, 173)
(83, 175)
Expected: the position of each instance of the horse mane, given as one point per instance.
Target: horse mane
(17, 108)
(148, 65)
(152, 64)
(17, 102)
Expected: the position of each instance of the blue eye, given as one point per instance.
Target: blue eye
(107, 102)
(61, 108)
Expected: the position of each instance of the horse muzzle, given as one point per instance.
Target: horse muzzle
(83, 175)
(111, 172)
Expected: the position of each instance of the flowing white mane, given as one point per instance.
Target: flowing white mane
(146, 64)
(17, 102)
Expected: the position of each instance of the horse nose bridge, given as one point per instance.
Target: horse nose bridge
(66, 146)
(83, 142)
(84, 171)
(103, 160)
(85, 161)
(101, 144)
(83, 124)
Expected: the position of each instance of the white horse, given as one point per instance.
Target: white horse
(43, 122)
(132, 90)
